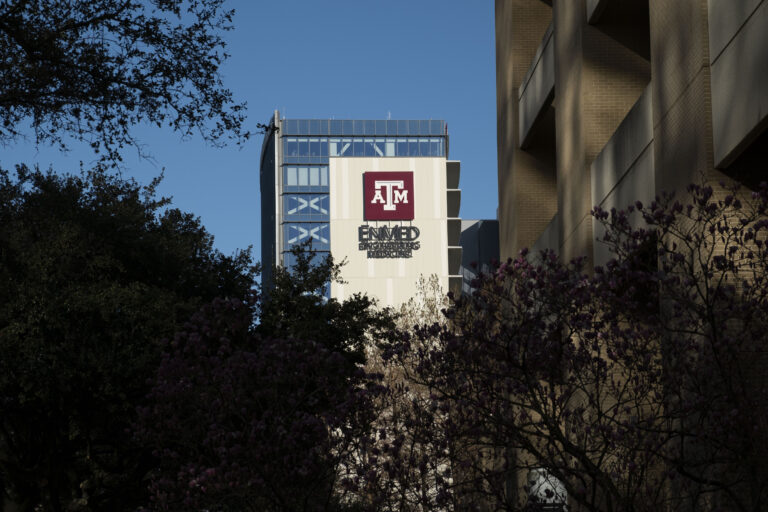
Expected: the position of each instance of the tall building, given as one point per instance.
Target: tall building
(603, 102)
(381, 194)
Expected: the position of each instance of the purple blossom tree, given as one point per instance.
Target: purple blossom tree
(637, 385)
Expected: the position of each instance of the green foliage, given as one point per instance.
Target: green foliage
(297, 308)
(92, 69)
(94, 271)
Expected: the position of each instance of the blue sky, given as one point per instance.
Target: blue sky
(408, 59)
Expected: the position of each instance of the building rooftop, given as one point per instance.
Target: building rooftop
(389, 128)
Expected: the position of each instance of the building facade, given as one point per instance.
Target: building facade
(381, 194)
(604, 102)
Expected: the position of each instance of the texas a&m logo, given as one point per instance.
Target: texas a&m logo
(388, 195)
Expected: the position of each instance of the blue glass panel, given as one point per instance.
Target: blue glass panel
(402, 147)
(346, 147)
(358, 127)
(324, 147)
(290, 146)
(436, 128)
(424, 128)
(413, 127)
(291, 127)
(434, 147)
(391, 127)
(424, 147)
(314, 147)
(369, 128)
(357, 147)
(402, 128)
(348, 128)
(381, 127)
(306, 207)
(379, 147)
(303, 126)
(314, 127)
(317, 233)
(368, 145)
(303, 146)
(413, 147)
(336, 127)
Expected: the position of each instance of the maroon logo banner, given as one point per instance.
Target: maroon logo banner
(388, 195)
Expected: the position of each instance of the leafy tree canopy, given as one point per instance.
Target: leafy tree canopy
(91, 69)
(296, 307)
(94, 271)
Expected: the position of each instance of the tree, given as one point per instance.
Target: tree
(260, 405)
(95, 271)
(637, 386)
(92, 69)
(297, 307)
(403, 462)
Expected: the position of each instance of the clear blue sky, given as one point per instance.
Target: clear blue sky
(411, 59)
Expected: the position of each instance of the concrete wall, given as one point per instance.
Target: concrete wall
(738, 56)
(538, 87)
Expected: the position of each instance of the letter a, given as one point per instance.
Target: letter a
(378, 196)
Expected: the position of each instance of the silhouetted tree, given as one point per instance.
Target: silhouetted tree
(92, 69)
(94, 271)
(265, 412)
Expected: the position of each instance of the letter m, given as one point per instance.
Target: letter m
(401, 196)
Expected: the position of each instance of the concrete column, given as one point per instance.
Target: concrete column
(682, 119)
(597, 81)
(527, 198)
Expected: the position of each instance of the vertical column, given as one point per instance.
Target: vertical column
(682, 120)
(527, 199)
(597, 80)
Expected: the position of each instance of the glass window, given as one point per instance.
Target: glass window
(314, 177)
(357, 147)
(378, 147)
(368, 147)
(303, 176)
(291, 127)
(436, 127)
(413, 147)
(346, 147)
(333, 147)
(369, 128)
(391, 127)
(348, 128)
(381, 127)
(389, 148)
(314, 147)
(413, 127)
(335, 127)
(424, 128)
(314, 127)
(290, 146)
(303, 147)
(424, 147)
(324, 147)
(323, 176)
(290, 177)
(402, 147)
(303, 126)
(402, 128)
(434, 147)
